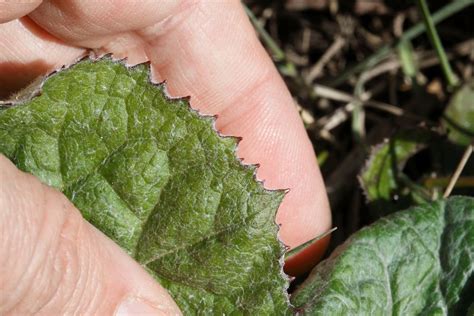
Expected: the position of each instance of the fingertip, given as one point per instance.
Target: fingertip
(307, 259)
(305, 212)
(12, 10)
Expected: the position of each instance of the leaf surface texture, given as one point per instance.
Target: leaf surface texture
(415, 262)
(154, 176)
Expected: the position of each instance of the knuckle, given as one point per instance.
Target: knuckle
(18, 229)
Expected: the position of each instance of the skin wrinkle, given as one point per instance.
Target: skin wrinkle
(248, 113)
(90, 275)
(71, 263)
(59, 271)
(52, 288)
(63, 279)
(7, 47)
(11, 9)
(62, 27)
(143, 39)
(97, 276)
(37, 32)
(28, 272)
(33, 271)
(185, 66)
(102, 22)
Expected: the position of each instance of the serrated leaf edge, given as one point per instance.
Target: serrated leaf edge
(34, 89)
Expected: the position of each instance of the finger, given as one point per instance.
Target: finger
(52, 262)
(212, 54)
(11, 10)
(208, 50)
(93, 23)
(26, 52)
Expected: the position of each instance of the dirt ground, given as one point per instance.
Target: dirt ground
(397, 85)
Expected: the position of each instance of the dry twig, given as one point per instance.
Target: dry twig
(459, 169)
(317, 69)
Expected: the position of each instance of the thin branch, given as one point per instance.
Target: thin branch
(316, 70)
(423, 59)
(458, 171)
(442, 182)
(340, 115)
(327, 123)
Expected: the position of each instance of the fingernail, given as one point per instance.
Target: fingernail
(132, 307)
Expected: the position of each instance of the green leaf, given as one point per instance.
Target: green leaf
(415, 262)
(458, 117)
(382, 180)
(156, 178)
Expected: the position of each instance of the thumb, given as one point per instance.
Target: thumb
(52, 262)
(14, 9)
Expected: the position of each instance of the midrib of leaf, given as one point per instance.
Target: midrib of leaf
(177, 249)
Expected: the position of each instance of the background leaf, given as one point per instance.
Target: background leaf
(385, 186)
(418, 261)
(156, 178)
(459, 115)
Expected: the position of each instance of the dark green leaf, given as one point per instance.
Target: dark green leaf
(156, 178)
(414, 262)
(385, 186)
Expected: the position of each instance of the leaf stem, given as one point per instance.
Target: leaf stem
(451, 77)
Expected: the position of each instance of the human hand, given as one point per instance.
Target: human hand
(54, 260)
